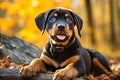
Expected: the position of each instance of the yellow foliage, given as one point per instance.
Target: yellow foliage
(19, 16)
(3, 5)
(27, 10)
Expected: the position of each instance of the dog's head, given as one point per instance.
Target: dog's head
(59, 24)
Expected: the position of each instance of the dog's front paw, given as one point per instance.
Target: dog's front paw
(62, 74)
(28, 71)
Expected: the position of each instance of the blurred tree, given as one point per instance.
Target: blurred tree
(112, 25)
(2, 12)
(117, 5)
(90, 20)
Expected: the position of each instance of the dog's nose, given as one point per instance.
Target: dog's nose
(61, 26)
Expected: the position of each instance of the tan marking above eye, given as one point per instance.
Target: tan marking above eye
(55, 14)
(66, 15)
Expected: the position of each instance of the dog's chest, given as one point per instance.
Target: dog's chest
(60, 62)
(62, 56)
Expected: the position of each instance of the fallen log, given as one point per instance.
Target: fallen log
(13, 74)
(21, 52)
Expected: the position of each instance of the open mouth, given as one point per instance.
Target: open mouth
(61, 37)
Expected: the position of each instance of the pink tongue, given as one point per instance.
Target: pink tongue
(61, 37)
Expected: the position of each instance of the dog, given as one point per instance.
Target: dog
(63, 54)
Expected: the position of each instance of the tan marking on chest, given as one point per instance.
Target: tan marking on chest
(49, 61)
(70, 60)
(56, 65)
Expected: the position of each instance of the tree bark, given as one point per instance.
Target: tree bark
(21, 52)
(112, 29)
(117, 5)
(90, 20)
(13, 74)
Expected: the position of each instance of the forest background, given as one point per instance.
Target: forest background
(101, 22)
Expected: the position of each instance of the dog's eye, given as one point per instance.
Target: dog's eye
(53, 19)
(69, 20)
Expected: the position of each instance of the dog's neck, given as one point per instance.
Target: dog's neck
(60, 47)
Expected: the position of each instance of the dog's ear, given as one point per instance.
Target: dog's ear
(41, 20)
(78, 22)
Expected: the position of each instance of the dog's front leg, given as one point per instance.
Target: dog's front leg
(33, 68)
(68, 72)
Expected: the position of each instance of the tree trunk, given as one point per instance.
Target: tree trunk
(112, 29)
(90, 20)
(20, 52)
(117, 4)
(13, 74)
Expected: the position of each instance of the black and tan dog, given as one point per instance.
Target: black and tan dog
(63, 53)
